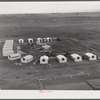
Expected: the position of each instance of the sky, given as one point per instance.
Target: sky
(48, 7)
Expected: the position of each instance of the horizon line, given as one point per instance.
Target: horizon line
(52, 13)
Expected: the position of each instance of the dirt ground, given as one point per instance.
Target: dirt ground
(84, 27)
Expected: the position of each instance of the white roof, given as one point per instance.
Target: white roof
(75, 55)
(44, 57)
(16, 54)
(7, 46)
(21, 39)
(8, 42)
(30, 39)
(46, 46)
(61, 56)
(89, 54)
(10, 45)
(8, 51)
(49, 38)
(28, 57)
(39, 38)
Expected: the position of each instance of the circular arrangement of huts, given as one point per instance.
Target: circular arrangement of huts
(7, 51)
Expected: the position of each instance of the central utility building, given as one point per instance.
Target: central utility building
(46, 47)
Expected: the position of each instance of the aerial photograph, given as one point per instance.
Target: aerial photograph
(50, 45)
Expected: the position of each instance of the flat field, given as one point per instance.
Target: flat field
(82, 27)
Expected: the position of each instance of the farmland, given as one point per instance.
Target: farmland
(83, 27)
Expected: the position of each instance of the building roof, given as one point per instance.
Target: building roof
(39, 38)
(89, 54)
(28, 57)
(60, 56)
(44, 57)
(8, 51)
(46, 46)
(49, 38)
(21, 39)
(8, 48)
(8, 42)
(30, 39)
(75, 55)
(8, 45)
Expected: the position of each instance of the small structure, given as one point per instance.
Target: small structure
(30, 40)
(76, 57)
(8, 48)
(46, 47)
(40, 43)
(49, 39)
(14, 56)
(90, 56)
(27, 59)
(44, 39)
(21, 40)
(39, 40)
(44, 59)
(61, 59)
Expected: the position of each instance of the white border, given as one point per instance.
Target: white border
(48, 7)
(32, 94)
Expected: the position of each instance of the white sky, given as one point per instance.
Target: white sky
(48, 7)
